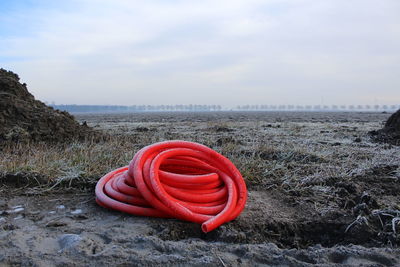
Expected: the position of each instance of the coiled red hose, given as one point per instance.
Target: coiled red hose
(176, 179)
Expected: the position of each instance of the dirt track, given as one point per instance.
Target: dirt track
(81, 233)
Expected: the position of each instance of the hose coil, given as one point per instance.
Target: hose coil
(176, 179)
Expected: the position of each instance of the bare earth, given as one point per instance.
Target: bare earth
(320, 193)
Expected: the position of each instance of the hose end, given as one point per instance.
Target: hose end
(204, 228)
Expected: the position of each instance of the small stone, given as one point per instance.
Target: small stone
(77, 211)
(68, 241)
(52, 212)
(60, 207)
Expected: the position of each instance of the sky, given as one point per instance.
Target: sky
(228, 52)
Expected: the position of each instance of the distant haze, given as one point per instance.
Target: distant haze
(121, 52)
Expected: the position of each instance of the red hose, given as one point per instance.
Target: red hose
(176, 179)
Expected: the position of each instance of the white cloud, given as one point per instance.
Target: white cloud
(228, 52)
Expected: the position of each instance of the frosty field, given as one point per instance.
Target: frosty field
(320, 192)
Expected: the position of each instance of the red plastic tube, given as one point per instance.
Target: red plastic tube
(176, 179)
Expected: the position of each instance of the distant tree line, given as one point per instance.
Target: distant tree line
(205, 108)
(319, 107)
(136, 108)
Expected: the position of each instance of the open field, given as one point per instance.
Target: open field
(320, 192)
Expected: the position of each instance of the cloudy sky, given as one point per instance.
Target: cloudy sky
(225, 52)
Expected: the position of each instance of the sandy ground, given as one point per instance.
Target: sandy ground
(70, 229)
(331, 213)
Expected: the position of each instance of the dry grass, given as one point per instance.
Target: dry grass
(289, 154)
(79, 160)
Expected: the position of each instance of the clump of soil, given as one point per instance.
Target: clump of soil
(390, 133)
(23, 119)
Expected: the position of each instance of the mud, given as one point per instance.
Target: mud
(70, 229)
(24, 119)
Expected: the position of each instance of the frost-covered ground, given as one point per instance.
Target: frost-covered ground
(320, 192)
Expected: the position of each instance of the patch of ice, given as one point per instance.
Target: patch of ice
(77, 211)
(16, 210)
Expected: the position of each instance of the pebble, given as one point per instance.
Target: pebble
(68, 241)
(77, 211)
(60, 207)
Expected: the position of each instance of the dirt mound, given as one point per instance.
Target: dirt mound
(393, 123)
(390, 133)
(22, 118)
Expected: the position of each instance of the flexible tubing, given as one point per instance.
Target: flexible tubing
(176, 179)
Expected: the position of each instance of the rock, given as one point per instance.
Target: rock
(68, 241)
(77, 211)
